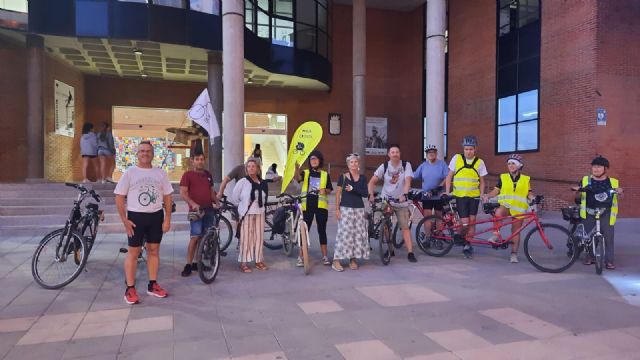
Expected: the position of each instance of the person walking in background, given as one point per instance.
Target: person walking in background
(352, 240)
(106, 153)
(89, 151)
(250, 193)
(272, 172)
(257, 155)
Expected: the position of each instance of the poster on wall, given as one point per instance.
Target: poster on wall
(64, 109)
(376, 136)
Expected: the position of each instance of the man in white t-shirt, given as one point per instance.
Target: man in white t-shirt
(146, 190)
(396, 175)
(466, 176)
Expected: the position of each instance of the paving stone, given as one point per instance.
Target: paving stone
(52, 328)
(320, 307)
(401, 295)
(91, 347)
(366, 350)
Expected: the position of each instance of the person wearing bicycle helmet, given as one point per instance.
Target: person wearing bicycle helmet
(599, 183)
(513, 192)
(465, 182)
(314, 178)
(433, 173)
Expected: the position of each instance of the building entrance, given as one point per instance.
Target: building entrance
(270, 132)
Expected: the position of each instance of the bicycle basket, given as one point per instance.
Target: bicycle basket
(571, 214)
(279, 220)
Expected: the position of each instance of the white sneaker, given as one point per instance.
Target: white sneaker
(300, 262)
(514, 258)
(325, 261)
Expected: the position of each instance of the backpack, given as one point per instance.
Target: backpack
(279, 220)
(468, 166)
(386, 166)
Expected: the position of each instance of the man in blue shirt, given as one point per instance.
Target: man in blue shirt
(433, 173)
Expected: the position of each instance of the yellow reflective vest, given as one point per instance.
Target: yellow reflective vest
(323, 201)
(466, 181)
(614, 206)
(514, 199)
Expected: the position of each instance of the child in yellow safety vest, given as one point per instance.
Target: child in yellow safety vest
(598, 196)
(513, 192)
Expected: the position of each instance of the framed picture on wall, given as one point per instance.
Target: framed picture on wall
(64, 108)
(334, 123)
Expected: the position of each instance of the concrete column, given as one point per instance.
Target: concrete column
(359, 78)
(214, 86)
(233, 82)
(35, 108)
(436, 21)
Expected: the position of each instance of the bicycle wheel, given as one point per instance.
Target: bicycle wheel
(271, 241)
(385, 244)
(287, 239)
(550, 256)
(208, 256)
(59, 259)
(598, 252)
(304, 245)
(225, 233)
(440, 240)
(89, 232)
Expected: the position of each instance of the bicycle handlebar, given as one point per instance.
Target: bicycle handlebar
(83, 190)
(589, 189)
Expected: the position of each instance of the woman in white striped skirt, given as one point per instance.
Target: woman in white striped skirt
(250, 193)
(352, 241)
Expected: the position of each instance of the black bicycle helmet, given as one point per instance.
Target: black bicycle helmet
(600, 160)
(317, 154)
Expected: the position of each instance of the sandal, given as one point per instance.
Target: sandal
(261, 266)
(245, 269)
(353, 265)
(337, 266)
(610, 266)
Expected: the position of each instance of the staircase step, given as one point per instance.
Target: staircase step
(58, 219)
(30, 210)
(105, 228)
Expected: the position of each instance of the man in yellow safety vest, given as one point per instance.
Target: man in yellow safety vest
(466, 176)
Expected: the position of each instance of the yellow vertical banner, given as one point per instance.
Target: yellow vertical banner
(306, 137)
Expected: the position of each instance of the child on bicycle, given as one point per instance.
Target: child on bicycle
(513, 192)
(598, 196)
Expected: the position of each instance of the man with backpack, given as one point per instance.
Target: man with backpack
(396, 175)
(466, 175)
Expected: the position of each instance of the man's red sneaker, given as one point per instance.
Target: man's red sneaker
(157, 291)
(131, 296)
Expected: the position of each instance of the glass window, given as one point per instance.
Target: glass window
(306, 37)
(323, 43)
(263, 24)
(507, 110)
(249, 20)
(283, 8)
(206, 6)
(507, 138)
(14, 5)
(264, 5)
(528, 135)
(306, 12)
(172, 3)
(528, 105)
(322, 18)
(283, 32)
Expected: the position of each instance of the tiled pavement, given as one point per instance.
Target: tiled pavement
(439, 308)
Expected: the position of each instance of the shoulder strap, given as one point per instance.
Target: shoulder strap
(386, 166)
(471, 166)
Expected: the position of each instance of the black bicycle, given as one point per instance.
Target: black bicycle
(208, 251)
(62, 254)
(379, 227)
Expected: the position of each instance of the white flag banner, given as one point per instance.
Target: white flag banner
(201, 113)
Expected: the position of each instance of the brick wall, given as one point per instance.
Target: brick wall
(618, 83)
(13, 117)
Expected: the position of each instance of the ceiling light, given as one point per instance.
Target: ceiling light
(137, 51)
(144, 76)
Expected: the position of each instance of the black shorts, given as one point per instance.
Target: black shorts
(148, 227)
(433, 204)
(467, 206)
